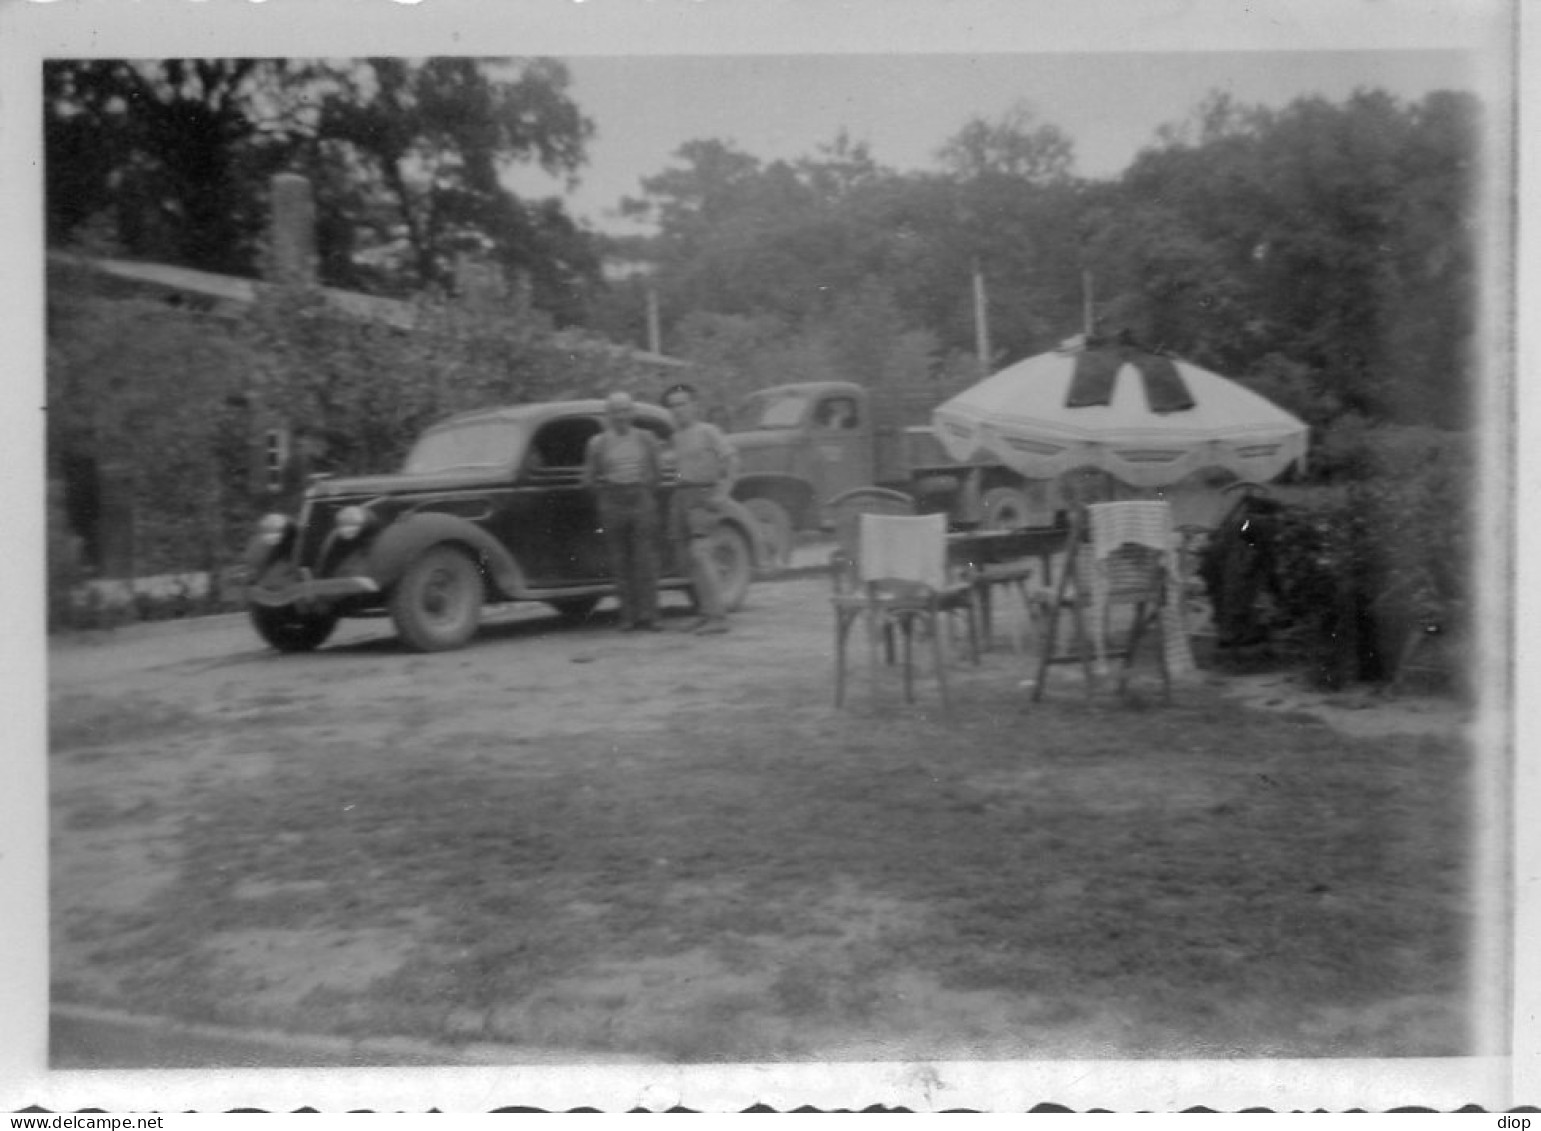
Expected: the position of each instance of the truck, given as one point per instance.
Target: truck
(802, 445)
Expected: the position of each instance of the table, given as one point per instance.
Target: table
(1005, 557)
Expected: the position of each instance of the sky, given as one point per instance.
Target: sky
(905, 106)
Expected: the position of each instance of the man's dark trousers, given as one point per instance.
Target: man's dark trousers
(629, 517)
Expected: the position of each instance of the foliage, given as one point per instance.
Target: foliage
(359, 393)
(1363, 565)
(1323, 251)
(66, 566)
(1016, 146)
(145, 399)
(405, 157)
(171, 150)
(1337, 235)
(156, 413)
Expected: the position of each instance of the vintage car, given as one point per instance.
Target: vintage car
(489, 506)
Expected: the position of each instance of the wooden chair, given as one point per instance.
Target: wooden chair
(899, 587)
(1116, 560)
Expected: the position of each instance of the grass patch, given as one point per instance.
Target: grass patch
(1226, 881)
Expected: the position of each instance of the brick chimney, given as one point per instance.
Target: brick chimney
(292, 229)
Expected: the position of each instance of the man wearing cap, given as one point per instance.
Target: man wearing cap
(623, 467)
(707, 465)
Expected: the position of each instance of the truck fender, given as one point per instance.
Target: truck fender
(734, 514)
(402, 542)
(793, 493)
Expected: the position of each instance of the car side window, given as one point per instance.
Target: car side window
(560, 445)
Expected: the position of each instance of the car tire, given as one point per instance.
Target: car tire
(574, 610)
(734, 560)
(438, 601)
(1005, 508)
(289, 630)
(775, 528)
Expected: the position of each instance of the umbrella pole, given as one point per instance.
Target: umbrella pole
(981, 321)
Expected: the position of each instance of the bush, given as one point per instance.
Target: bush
(1363, 566)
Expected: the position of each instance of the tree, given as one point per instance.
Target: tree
(1016, 145)
(427, 142)
(170, 148)
(1338, 235)
(407, 158)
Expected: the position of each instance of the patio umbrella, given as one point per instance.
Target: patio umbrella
(1145, 418)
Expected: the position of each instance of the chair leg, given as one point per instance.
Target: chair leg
(1050, 641)
(1133, 647)
(907, 636)
(843, 620)
(1078, 613)
(941, 671)
(1019, 629)
(873, 629)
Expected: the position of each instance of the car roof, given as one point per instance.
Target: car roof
(541, 412)
(808, 388)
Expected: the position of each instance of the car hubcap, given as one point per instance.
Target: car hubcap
(441, 595)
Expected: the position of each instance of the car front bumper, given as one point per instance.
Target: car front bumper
(311, 592)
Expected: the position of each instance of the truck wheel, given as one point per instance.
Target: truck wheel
(574, 610)
(438, 601)
(734, 562)
(289, 630)
(1004, 508)
(775, 528)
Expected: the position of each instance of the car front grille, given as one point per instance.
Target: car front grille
(317, 517)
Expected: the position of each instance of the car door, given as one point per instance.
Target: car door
(554, 525)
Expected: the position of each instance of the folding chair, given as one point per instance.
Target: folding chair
(901, 585)
(1121, 556)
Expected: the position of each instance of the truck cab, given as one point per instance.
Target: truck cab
(799, 446)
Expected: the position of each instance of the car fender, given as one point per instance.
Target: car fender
(261, 553)
(401, 543)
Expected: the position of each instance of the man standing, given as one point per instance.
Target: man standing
(707, 465)
(623, 468)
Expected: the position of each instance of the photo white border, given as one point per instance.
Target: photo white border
(31, 30)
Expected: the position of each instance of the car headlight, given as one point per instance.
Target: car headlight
(271, 528)
(351, 521)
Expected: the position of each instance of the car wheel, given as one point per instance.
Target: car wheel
(1005, 508)
(574, 610)
(289, 630)
(775, 528)
(734, 561)
(438, 601)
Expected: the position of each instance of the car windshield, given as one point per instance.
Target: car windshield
(771, 410)
(491, 443)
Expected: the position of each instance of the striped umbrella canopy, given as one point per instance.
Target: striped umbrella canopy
(1148, 419)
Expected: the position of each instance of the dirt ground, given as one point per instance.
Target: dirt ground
(566, 842)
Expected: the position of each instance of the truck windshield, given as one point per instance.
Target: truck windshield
(771, 410)
(492, 443)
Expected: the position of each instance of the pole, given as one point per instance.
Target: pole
(1088, 320)
(981, 321)
(654, 334)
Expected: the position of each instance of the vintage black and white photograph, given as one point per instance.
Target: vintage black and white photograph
(666, 556)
